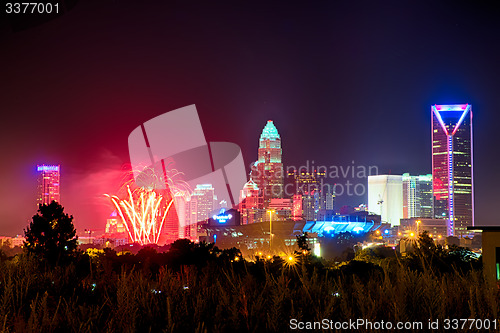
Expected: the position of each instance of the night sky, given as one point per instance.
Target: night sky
(343, 81)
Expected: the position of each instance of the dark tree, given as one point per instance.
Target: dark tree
(51, 235)
(302, 243)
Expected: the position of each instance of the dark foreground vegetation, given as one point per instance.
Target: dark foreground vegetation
(199, 288)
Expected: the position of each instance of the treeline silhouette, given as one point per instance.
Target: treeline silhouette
(197, 287)
(200, 288)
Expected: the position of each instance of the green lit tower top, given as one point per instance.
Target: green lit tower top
(270, 144)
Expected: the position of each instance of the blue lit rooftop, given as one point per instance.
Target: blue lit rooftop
(44, 167)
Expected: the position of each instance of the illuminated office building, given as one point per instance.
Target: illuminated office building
(311, 206)
(251, 205)
(114, 225)
(183, 217)
(282, 209)
(328, 203)
(48, 184)
(267, 172)
(297, 207)
(452, 166)
(417, 196)
(204, 197)
(317, 196)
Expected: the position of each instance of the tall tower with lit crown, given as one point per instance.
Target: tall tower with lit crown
(452, 161)
(267, 172)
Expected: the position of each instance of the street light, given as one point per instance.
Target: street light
(270, 227)
(418, 226)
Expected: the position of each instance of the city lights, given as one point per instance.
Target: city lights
(250, 166)
(222, 217)
(290, 260)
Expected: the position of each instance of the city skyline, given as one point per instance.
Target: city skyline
(241, 166)
(266, 155)
(341, 83)
(392, 197)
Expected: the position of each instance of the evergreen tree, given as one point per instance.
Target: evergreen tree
(51, 235)
(302, 243)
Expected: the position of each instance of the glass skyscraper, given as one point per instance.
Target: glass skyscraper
(452, 160)
(48, 184)
(417, 196)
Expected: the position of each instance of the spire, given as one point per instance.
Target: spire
(269, 132)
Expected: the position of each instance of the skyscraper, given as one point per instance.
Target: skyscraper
(251, 205)
(425, 196)
(328, 202)
(48, 184)
(297, 207)
(452, 166)
(417, 196)
(314, 192)
(385, 197)
(195, 208)
(267, 172)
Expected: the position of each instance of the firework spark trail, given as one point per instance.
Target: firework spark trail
(144, 215)
(144, 211)
(172, 178)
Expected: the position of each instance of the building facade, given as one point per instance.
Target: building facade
(436, 228)
(281, 209)
(251, 206)
(317, 196)
(297, 207)
(417, 196)
(452, 166)
(114, 225)
(385, 197)
(198, 207)
(48, 184)
(267, 171)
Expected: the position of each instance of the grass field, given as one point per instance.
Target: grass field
(222, 292)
